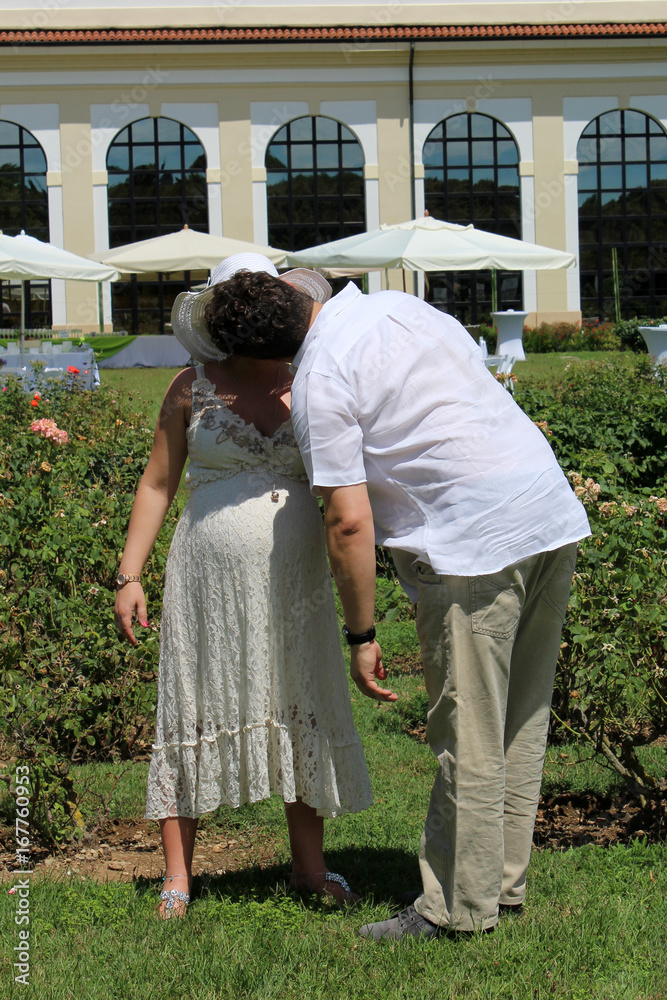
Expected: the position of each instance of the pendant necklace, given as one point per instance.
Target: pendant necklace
(275, 496)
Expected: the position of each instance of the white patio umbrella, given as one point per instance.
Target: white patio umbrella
(23, 258)
(186, 250)
(431, 245)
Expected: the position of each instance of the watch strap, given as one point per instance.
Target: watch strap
(358, 638)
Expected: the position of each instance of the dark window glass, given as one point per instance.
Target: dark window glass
(622, 206)
(157, 184)
(472, 176)
(315, 185)
(23, 207)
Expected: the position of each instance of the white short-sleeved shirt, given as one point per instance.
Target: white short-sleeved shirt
(391, 392)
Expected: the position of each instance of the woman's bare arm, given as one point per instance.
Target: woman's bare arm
(155, 493)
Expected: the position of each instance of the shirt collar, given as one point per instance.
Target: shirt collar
(328, 311)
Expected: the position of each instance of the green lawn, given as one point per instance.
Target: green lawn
(147, 384)
(594, 927)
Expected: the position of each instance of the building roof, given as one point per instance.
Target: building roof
(427, 33)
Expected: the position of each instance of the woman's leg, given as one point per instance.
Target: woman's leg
(306, 837)
(178, 841)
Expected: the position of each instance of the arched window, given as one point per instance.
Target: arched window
(157, 184)
(23, 206)
(315, 184)
(622, 186)
(471, 165)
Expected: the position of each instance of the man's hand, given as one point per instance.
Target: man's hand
(365, 667)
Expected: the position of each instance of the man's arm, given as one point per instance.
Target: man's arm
(351, 544)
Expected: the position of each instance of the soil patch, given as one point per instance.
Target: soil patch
(570, 820)
(129, 851)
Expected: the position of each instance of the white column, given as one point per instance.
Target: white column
(56, 236)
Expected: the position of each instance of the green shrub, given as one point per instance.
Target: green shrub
(611, 686)
(71, 688)
(607, 424)
(628, 333)
(560, 337)
(605, 420)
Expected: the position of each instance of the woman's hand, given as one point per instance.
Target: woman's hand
(130, 601)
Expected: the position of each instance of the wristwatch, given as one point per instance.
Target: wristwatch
(358, 638)
(124, 578)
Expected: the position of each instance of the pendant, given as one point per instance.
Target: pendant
(275, 496)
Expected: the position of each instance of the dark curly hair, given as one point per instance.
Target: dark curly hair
(255, 315)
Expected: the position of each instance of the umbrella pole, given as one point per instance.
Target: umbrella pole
(100, 307)
(617, 294)
(404, 288)
(494, 291)
(22, 324)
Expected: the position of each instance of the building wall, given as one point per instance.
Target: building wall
(175, 13)
(75, 99)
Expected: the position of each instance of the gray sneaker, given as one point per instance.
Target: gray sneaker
(407, 922)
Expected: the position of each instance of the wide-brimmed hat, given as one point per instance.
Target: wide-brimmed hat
(188, 314)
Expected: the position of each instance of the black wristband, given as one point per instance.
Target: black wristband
(357, 639)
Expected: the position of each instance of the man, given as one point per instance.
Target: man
(414, 445)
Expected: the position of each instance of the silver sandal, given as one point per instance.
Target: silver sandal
(173, 896)
(339, 880)
(329, 877)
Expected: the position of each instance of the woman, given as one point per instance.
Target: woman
(252, 689)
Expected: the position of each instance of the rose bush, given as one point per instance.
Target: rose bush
(608, 428)
(70, 689)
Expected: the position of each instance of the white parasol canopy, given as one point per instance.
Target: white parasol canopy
(186, 250)
(23, 258)
(431, 245)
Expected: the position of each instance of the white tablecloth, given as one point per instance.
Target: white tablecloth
(55, 366)
(156, 351)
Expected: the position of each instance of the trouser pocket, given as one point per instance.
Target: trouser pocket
(496, 602)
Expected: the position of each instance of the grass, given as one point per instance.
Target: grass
(584, 938)
(146, 384)
(552, 366)
(594, 928)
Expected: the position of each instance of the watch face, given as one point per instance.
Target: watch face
(120, 579)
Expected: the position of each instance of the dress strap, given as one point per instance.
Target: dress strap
(199, 369)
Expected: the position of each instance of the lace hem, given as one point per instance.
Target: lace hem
(232, 733)
(231, 769)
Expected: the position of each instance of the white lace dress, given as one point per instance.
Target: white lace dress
(252, 689)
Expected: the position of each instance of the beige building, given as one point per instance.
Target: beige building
(295, 124)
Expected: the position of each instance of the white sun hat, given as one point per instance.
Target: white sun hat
(188, 319)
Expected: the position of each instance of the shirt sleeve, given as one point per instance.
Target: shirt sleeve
(328, 432)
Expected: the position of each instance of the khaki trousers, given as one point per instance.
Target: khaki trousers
(489, 646)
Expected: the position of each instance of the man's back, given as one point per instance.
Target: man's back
(392, 392)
